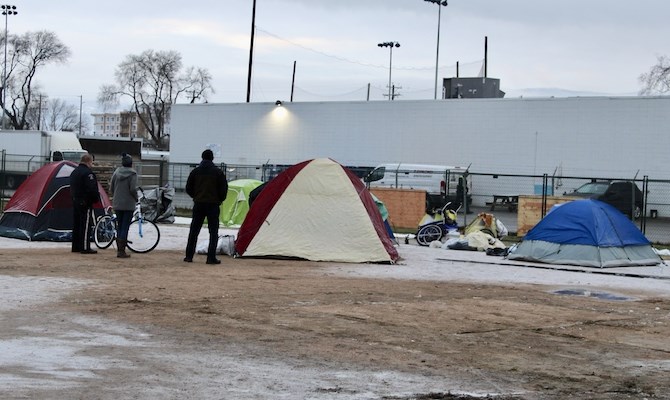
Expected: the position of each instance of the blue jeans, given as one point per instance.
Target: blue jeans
(123, 218)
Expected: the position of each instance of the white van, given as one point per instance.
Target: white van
(439, 181)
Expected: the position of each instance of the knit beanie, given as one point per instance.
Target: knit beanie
(127, 160)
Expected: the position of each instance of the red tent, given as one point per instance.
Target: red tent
(316, 210)
(41, 208)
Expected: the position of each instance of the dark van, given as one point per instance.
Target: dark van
(625, 196)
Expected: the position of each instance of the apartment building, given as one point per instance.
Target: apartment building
(122, 124)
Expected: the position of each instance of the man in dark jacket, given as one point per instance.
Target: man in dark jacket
(208, 187)
(84, 191)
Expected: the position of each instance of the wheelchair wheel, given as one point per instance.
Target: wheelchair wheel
(426, 234)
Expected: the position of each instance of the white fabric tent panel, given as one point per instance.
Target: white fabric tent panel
(319, 217)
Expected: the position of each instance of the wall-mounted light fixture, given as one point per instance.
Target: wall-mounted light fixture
(278, 103)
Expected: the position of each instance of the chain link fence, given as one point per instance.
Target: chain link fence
(516, 199)
(519, 201)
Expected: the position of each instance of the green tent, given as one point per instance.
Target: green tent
(236, 205)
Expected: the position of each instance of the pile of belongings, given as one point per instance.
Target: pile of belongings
(225, 245)
(157, 205)
(482, 234)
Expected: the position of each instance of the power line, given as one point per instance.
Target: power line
(347, 60)
(354, 91)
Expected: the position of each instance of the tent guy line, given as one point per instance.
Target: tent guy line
(566, 269)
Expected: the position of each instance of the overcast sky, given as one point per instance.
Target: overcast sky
(567, 47)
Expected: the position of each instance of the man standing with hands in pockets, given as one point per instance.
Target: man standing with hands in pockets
(208, 187)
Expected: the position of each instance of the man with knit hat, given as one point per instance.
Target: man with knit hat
(123, 186)
(208, 187)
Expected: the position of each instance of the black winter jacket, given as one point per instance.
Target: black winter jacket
(207, 184)
(84, 186)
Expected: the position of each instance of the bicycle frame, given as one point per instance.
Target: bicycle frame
(137, 215)
(143, 235)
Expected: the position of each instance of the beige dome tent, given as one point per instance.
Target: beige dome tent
(316, 210)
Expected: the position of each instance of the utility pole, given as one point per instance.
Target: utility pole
(81, 103)
(293, 80)
(251, 50)
(39, 114)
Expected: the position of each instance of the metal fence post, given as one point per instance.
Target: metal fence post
(161, 173)
(464, 200)
(643, 212)
(3, 178)
(545, 189)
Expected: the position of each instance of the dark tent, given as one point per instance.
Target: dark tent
(41, 208)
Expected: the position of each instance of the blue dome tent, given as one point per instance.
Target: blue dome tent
(586, 233)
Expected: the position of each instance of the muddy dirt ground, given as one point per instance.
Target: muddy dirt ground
(262, 329)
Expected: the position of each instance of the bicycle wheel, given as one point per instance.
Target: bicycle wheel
(427, 234)
(104, 232)
(143, 236)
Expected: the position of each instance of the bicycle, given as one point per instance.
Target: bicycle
(143, 235)
(438, 229)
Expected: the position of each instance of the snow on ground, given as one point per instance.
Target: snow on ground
(424, 263)
(63, 351)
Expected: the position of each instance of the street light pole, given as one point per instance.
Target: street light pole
(439, 3)
(390, 45)
(7, 10)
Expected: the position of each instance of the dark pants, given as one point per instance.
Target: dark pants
(81, 224)
(200, 211)
(123, 218)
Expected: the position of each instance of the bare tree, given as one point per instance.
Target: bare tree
(55, 115)
(197, 84)
(153, 81)
(26, 54)
(657, 80)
